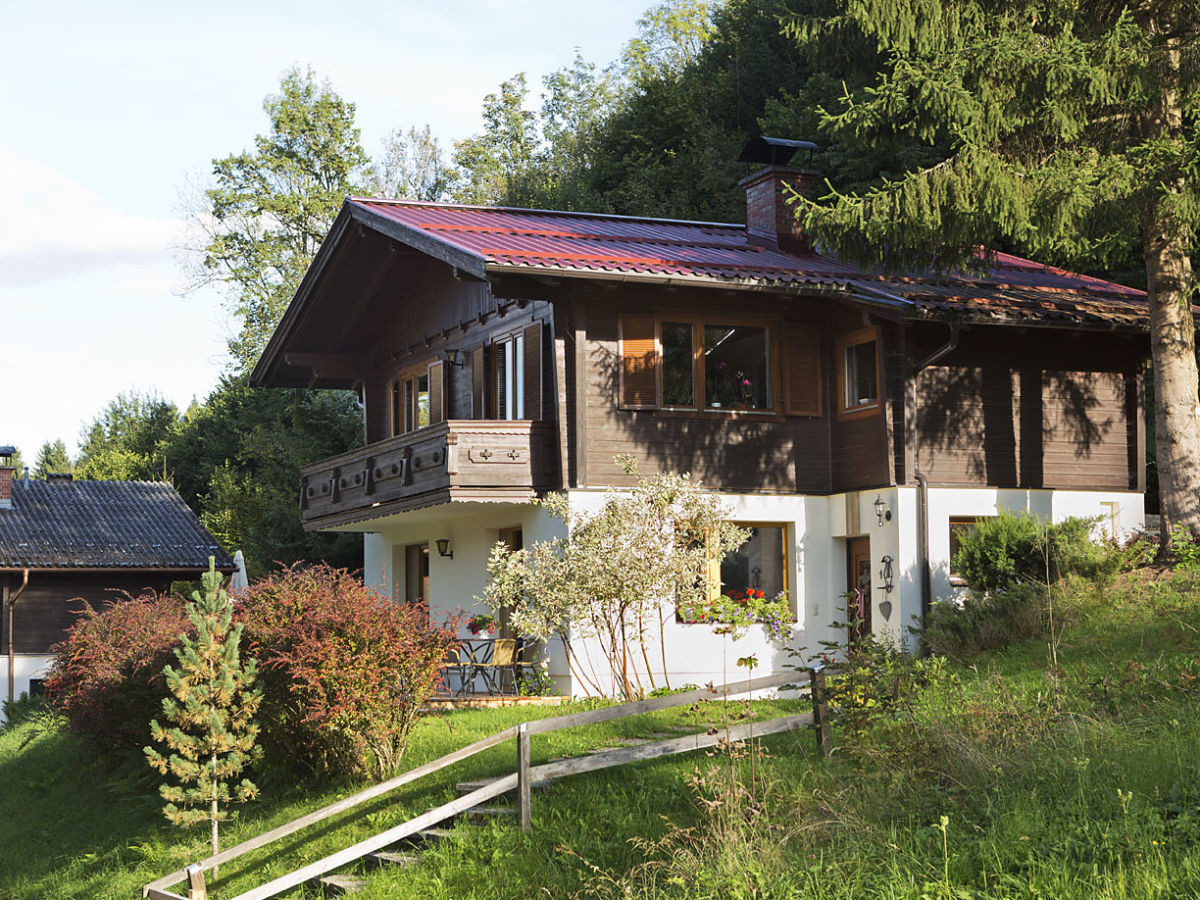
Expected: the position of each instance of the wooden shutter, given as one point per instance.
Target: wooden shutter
(533, 372)
(478, 383)
(638, 349)
(802, 370)
(437, 393)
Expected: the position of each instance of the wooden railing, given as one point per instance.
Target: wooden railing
(460, 459)
(522, 779)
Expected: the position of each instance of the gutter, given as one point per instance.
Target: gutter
(10, 602)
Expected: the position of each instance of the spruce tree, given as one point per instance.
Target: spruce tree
(212, 735)
(1064, 130)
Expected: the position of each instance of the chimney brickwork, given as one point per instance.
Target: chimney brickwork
(6, 485)
(770, 219)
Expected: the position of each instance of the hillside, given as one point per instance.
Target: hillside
(1010, 777)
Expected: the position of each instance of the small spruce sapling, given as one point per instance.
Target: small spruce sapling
(212, 735)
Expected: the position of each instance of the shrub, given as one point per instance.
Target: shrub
(344, 671)
(107, 676)
(1016, 547)
(982, 622)
(1185, 550)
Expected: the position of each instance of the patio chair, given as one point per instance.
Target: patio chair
(455, 665)
(503, 660)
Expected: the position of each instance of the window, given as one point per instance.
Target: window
(759, 563)
(960, 525)
(858, 372)
(509, 384)
(674, 364)
(416, 398)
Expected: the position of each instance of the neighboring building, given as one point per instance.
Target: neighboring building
(62, 541)
(857, 421)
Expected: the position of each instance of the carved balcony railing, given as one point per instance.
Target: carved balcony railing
(461, 459)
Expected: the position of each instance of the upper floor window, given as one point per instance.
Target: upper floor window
(416, 397)
(675, 363)
(507, 376)
(858, 372)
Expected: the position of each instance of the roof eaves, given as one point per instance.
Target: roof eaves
(728, 282)
(464, 261)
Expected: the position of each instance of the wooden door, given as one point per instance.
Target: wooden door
(858, 583)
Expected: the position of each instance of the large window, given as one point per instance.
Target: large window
(760, 563)
(858, 372)
(677, 363)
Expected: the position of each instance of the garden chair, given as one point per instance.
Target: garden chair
(455, 665)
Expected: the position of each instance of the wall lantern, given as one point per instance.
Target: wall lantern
(443, 545)
(455, 357)
(882, 513)
(885, 575)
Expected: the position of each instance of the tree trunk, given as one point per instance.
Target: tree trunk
(1173, 348)
(1169, 284)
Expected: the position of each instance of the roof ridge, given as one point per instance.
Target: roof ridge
(736, 226)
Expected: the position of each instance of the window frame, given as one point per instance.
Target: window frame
(843, 343)
(403, 408)
(772, 328)
(511, 345)
(785, 529)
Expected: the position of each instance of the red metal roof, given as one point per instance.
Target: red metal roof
(504, 239)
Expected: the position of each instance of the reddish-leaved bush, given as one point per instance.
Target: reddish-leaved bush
(107, 676)
(344, 670)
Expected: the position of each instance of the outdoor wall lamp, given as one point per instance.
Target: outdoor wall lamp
(886, 576)
(443, 545)
(455, 358)
(882, 513)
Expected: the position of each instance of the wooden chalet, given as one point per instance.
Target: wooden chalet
(64, 541)
(856, 421)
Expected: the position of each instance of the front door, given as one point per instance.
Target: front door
(858, 584)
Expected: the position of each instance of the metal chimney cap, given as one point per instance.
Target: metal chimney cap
(8, 450)
(772, 151)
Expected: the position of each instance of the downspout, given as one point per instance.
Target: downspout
(923, 483)
(11, 601)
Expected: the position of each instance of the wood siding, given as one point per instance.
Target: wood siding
(51, 602)
(1032, 410)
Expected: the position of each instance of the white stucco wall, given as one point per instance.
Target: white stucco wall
(25, 667)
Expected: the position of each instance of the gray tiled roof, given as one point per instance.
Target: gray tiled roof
(103, 524)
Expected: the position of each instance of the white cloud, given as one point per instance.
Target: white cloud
(53, 228)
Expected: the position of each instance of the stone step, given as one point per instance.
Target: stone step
(392, 858)
(337, 885)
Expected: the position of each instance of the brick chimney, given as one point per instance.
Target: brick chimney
(6, 476)
(770, 218)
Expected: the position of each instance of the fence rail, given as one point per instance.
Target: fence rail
(522, 779)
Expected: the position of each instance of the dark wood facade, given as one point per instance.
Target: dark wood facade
(1006, 406)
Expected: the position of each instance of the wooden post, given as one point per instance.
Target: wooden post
(196, 888)
(820, 701)
(523, 774)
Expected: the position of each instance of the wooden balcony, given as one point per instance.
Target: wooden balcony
(458, 460)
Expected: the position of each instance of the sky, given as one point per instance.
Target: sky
(111, 113)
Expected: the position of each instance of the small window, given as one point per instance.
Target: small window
(759, 564)
(960, 525)
(510, 377)
(412, 402)
(858, 375)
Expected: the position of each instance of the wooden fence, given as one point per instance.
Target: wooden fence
(522, 779)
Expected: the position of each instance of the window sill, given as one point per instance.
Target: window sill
(859, 412)
(757, 415)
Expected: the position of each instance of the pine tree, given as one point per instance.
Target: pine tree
(212, 736)
(1066, 130)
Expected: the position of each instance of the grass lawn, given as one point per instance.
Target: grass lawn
(1054, 769)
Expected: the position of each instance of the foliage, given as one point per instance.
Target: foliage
(345, 671)
(741, 609)
(616, 576)
(412, 166)
(976, 623)
(481, 622)
(269, 208)
(1013, 548)
(1185, 548)
(498, 164)
(52, 459)
(107, 678)
(23, 709)
(128, 440)
(211, 735)
(237, 458)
